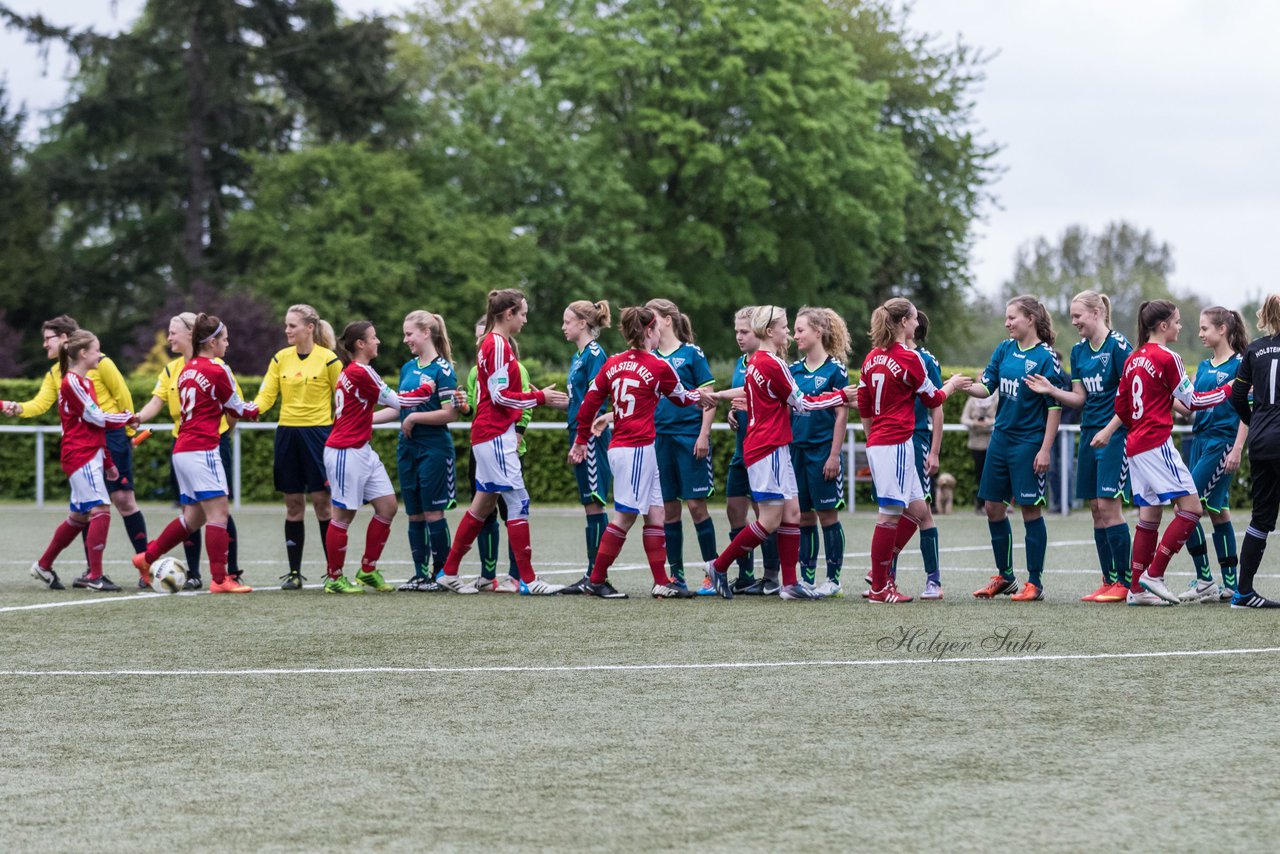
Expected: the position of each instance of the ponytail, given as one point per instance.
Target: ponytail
(347, 343)
(321, 330)
(594, 314)
(680, 324)
(77, 342)
(635, 322)
(1095, 301)
(1150, 315)
(835, 334)
(433, 325)
(207, 328)
(886, 319)
(499, 303)
(1269, 315)
(1237, 337)
(1034, 310)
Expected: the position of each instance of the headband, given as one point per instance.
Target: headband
(215, 334)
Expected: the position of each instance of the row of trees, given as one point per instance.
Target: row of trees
(247, 155)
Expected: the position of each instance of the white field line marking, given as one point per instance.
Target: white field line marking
(624, 668)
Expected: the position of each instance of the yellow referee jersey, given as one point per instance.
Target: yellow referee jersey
(108, 385)
(304, 385)
(167, 390)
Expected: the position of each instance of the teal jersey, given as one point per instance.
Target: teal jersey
(690, 365)
(931, 367)
(440, 372)
(815, 427)
(739, 379)
(1022, 413)
(582, 372)
(1221, 422)
(1099, 371)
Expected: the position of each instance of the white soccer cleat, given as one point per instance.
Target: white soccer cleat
(456, 584)
(538, 587)
(485, 585)
(830, 589)
(1145, 598)
(932, 591)
(1158, 587)
(507, 585)
(1200, 591)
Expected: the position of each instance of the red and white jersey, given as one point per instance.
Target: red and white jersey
(84, 424)
(207, 390)
(772, 395)
(358, 390)
(1153, 377)
(499, 399)
(891, 381)
(634, 381)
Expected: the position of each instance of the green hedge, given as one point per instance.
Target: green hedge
(546, 472)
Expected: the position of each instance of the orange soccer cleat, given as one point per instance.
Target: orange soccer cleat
(229, 585)
(997, 586)
(1030, 593)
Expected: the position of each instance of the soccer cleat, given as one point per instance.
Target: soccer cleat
(484, 584)
(1226, 592)
(1200, 591)
(1029, 593)
(889, 595)
(755, 588)
(742, 582)
(193, 582)
(102, 584)
(374, 581)
(82, 580)
(231, 584)
(1158, 587)
(143, 566)
(293, 581)
(507, 585)
(454, 583)
(1093, 597)
(829, 589)
(604, 590)
(677, 578)
(799, 592)
(538, 587)
(932, 591)
(1118, 591)
(997, 586)
(419, 584)
(1145, 598)
(722, 587)
(341, 584)
(708, 587)
(143, 584)
(577, 588)
(771, 587)
(47, 577)
(1252, 600)
(670, 591)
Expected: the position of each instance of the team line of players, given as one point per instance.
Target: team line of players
(652, 446)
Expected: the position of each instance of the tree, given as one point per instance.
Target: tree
(357, 234)
(148, 159)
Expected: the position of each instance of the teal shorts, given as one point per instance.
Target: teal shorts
(1102, 472)
(683, 475)
(1208, 464)
(815, 491)
(1009, 474)
(427, 479)
(594, 477)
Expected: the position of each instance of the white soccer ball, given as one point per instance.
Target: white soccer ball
(168, 575)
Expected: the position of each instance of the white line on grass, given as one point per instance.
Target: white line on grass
(616, 668)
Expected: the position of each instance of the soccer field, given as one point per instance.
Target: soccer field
(300, 721)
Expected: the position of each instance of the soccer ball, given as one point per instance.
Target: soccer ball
(168, 575)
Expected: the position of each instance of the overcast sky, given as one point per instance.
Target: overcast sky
(1155, 111)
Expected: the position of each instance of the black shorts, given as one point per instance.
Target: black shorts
(299, 460)
(120, 446)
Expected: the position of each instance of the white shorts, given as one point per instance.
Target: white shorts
(356, 476)
(893, 472)
(636, 484)
(773, 478)
(1157, 476)
(88, 486)
(200, 476)
(498, 463)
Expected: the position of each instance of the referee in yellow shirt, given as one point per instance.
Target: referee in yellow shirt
(303, 376)
(113, 396)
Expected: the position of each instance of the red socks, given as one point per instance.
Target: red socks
(655, 549)
(96, 542)
(175, 532)
(335, 541)
(883, 539)
(748, 538)
(907, 527)
(217, 543)
(375, 539)
(788, 552)
(518, 539)
(607, 552)
(463, 538)
(1144, 548)
(1175, 537)
(62, 537)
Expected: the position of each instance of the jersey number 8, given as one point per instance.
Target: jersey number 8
(1137, 398)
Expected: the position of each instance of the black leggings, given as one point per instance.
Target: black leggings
(1265, 484)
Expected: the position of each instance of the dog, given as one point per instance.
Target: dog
(946, 497)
